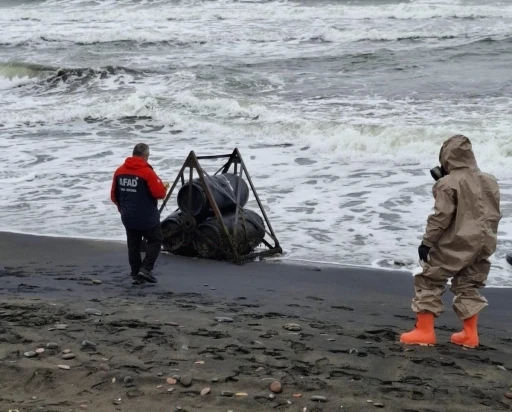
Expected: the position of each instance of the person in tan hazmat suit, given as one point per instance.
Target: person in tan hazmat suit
(459, 239)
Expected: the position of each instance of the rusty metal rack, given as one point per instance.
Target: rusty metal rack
(233, 160)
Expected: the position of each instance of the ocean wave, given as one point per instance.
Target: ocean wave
(401, 133)
(235, 10)
(19, 73)
(329, 34)
(199, 23)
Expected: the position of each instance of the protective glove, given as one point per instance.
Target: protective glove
(423, 251)
(167, 185)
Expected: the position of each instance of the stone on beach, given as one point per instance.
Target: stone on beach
(292, 327)
(104, 367)
(95, 312)
(223, 319)
(186, 381)
(276, 387)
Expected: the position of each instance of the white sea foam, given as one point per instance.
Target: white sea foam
(229, 21)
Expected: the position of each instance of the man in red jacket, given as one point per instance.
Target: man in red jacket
(135, 190)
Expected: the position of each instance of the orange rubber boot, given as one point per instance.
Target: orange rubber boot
(423, 333)
(469, 335)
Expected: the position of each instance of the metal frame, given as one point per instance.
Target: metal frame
(235, 160)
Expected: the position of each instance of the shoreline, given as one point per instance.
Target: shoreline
(277, 259)
(346, 350)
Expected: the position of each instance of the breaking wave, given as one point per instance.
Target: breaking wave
(28, 73)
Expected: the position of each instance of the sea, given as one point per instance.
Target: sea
(339, 109)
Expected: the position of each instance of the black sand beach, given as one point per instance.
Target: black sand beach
(346, 350)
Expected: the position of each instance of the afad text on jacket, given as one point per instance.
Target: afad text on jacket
(136, 189)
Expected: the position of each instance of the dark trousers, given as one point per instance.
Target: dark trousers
(154, 238)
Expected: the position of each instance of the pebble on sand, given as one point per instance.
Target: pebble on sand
(317, 398)
(61, 326)
(65, 367)
(117, 401)
(508, 395)
(297, 395)
(65, 351)
(97, 282)
(88, 344)
(95, 312)
(272, 396)
(40, 351)
(215, 379)
(241, 394)
(160, 374)
(186, 381)
(68, 356)
(353, 350)
(172, 381)
(134, 393)
(171, 390)
(205, 391)
(276, 387)
(104, 367)
(293, 327)
(223, 319)
(227, 393)
(128, 379)
(501, 368)
(30, 354)
(52, 345)
(379, 405)
(199, 362)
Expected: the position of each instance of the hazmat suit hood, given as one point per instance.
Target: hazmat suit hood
(457, 153)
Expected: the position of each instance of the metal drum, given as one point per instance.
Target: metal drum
(223, 188)
(210, 240)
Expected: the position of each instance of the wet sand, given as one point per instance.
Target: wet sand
(139, 338)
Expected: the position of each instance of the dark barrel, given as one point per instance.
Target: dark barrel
(210, 240)
(177, 229)
(223, 188)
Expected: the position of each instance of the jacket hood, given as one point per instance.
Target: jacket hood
(457, 153)
(135, 162)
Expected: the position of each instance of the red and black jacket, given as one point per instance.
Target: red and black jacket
(135, 190)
